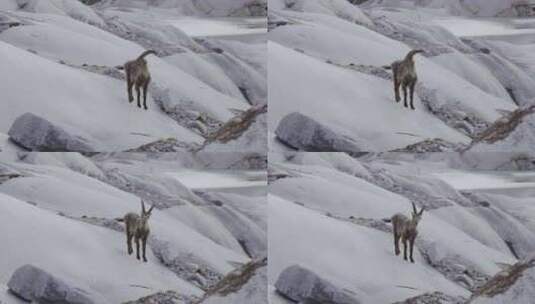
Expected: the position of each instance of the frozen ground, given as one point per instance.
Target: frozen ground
(215, 180)
(488, 180)
(85, 93)
(333, 205)
(197, 236)
(482, 27)
(196, 27)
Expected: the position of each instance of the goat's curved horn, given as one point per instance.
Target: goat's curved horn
(422, 210)
(142, 206)
(414, 208)
(150, 209)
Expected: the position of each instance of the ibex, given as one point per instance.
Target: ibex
(137, 74)
(137, 227)
(405, 76)
(405, 229)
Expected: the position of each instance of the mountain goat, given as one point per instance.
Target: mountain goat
(137, 227)
(405, 229)
(137, 74)
(405, 76)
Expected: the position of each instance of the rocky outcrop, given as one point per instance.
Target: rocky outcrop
(165, 297)
(304, 286)
(256, 8)
(433, 298)
(431, 145)
(513, 285)
(36, 285)
(35, 133)
(236, 279)
(304, 133)
(510, 130)
(235, 127)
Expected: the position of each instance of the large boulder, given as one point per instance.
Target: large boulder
(38, 134)
(304, 133)
(35, 285)
(303, 286)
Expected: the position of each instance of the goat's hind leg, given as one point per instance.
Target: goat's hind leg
(138, 92)
(405, 95)
(145, 87)
(411, 87)
(404, 248)
(129, 85)
(396, 87)
(129, 242)
(396, 242)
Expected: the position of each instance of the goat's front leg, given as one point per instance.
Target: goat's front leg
(396, 88)
(144, 248)
(137, 248)
(404, 248)
(411, 243)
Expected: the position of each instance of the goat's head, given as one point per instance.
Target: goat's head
(145, 215)
(416, 216)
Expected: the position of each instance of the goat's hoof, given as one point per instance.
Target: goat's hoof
(145, 260)
(146, 108)
(412, 261)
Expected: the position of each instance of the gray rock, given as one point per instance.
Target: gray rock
(304, 133)
(304, 286)
(33, 284)
(38, 134)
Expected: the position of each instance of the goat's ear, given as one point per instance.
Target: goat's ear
(414, 208)
(142, 206)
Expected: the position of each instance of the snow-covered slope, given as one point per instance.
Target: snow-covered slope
(334, 205)
(192, 245)
(213, 8)
(482, 8)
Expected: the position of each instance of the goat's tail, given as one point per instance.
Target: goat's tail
(387, 67)
(387, 220)
(146, 53)
(119, 219)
